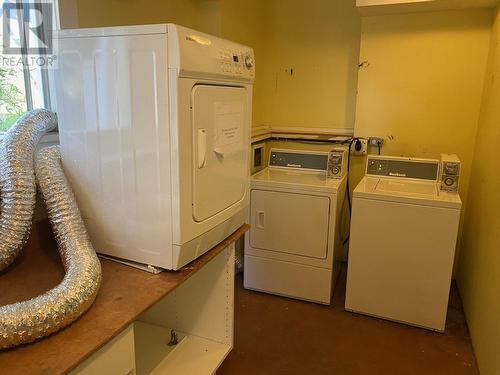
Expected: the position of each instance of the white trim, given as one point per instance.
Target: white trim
(57, 17)
(385, 7)
(66, 13)
(262, 133)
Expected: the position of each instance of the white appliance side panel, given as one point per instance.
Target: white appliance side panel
(290, 223)
(112, 105)
(220, 149)
(400, 261)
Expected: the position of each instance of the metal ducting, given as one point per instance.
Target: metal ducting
(25, 321)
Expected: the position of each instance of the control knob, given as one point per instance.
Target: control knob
(449, 181)
(249, 61)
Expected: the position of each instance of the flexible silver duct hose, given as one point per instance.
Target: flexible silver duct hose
(24, 322)
(17, 181)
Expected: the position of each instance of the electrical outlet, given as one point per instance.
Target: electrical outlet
(375, 141)
(359, 147)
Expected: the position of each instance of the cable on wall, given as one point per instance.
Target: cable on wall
(357, 145)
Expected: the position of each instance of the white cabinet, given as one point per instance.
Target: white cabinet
(200, 311)
(116, 357)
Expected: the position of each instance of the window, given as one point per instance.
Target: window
(24, 32)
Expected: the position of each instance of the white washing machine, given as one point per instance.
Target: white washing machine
(294, 248)
(402, 244)
(154, 125)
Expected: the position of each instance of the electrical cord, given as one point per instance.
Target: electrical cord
(348, 193)
(358, 147)
(348, 189)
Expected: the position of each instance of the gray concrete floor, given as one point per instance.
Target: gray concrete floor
(275, 335)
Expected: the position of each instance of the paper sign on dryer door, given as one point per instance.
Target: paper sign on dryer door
(229, 123)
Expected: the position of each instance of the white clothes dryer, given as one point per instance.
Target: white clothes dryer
(294, 247)
(154, 126)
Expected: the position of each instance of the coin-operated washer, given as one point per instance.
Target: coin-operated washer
(294, 246)
(403, 235)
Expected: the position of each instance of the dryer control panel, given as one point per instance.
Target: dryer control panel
(316, 161)
(192, 52)
(401, 167)
(336, 167)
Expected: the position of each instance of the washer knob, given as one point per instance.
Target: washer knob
(248, 62)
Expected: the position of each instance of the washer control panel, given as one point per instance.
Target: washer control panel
(450, 172)
(401, 167)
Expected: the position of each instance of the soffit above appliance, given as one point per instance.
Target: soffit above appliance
(382, 7)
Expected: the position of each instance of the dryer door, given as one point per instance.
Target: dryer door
(220, 148)
(289, 223)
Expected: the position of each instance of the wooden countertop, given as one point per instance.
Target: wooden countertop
(125, 293)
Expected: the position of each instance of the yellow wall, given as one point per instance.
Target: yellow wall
(421, 85)
(318, 39)
(479, 269)
(203, 15)
(247, 22)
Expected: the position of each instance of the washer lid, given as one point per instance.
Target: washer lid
(406, 191)
(293, 179)
(402, 187)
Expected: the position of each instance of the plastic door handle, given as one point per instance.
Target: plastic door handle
(260, 219)
(202, 148)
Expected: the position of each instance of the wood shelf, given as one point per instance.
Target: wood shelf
(198, 300)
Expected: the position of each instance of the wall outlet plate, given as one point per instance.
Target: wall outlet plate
(363, 150)
(375, 141)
